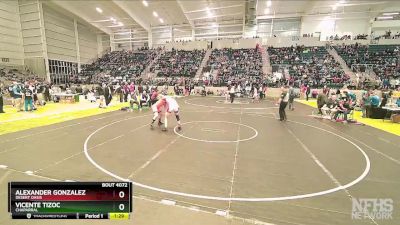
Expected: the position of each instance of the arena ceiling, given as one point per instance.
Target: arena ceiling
(142, 15)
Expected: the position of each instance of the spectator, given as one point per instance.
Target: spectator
(375, 100)
(46, 93)
(321, 101)
(365, 103)
(308, 91)
(341, 109)
(28, 98)
(17, 94)
(292, 95)
(329, 109)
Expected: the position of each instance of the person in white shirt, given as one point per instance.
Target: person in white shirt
(232, 92)
(172, 107)
(255, 95)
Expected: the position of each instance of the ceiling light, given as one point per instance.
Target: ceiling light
(267, 11)
(161, 20)
(155, 14)
(385, 17)
(269, 3)
(334, 7)
(120, 24)
(145, 3)
(99, 10)
(214, 25)
(208, 11)
(112, 19)
(388, 14)
(342, 1)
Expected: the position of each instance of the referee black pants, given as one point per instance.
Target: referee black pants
(1, 104)
(282, 113)
(232, 96)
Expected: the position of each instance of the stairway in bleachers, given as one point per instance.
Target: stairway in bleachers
(267, 68)
(145, 73)
(199, 73)
(342, 63)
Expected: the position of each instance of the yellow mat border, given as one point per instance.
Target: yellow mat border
(387, 125)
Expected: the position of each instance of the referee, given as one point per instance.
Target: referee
(1, 98)
(283, 101)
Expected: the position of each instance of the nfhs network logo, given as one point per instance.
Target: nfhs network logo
(372, 208)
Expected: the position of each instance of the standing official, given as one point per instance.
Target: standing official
(1, 98)
(283, 101)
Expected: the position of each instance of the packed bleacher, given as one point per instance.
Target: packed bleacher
(308, 65)
(347, 37)
(178, 63)
(120, 65)
(384, 59)
(388, 35)
(8, 76)
(233, 64)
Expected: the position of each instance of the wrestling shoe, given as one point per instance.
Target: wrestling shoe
(164, 129)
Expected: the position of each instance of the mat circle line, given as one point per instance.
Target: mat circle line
(237, 199)
(240, 102)
(216, 121)
(222, 107)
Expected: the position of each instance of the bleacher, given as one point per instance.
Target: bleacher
(231, 64)
(383, 58)
(308, 64)
(9, 75)
(178, 63)
(120, 64)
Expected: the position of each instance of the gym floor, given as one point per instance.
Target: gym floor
(230, 164)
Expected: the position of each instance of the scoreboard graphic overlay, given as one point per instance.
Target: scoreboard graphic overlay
(70, 200)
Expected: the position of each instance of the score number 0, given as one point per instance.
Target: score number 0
(121, 195)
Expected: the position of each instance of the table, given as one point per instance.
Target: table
(391, 110)
(66, 98)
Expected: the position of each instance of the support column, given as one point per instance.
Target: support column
(78, 54)
(150, 39)
(130, 39)
(43, 39)
(99, 45)
(112, 44)
(172, 33)
(244, 25)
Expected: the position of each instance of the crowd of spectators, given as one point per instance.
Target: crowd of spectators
(178, 63)
(8, 76)
(308, 65)
(121, 65)
(388, 35)
(383, 59)
(234, 64)
(347, 37)
(338, 105)
(308, 35)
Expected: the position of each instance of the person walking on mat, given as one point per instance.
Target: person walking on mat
(283, 101)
